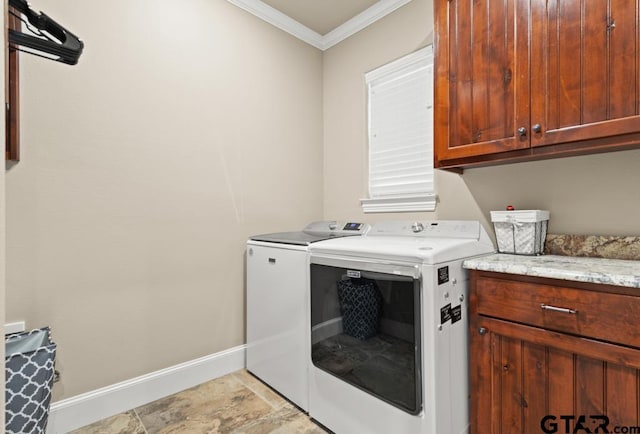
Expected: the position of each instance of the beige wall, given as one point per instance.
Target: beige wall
(185, 127)
(595, 194)
(345, 112)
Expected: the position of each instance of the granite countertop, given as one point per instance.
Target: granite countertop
(582, 269)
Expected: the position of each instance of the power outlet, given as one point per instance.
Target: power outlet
(14, 327)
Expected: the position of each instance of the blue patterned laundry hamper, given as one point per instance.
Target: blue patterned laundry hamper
(360, 305)
(29, 373)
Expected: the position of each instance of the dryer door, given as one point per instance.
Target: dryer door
(365, 327)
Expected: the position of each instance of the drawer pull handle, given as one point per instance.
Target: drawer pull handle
(558, 309)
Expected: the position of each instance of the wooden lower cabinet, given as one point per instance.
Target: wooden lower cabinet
(533, 379)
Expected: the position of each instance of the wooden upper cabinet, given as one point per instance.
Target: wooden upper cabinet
(482, 73)
(527, 79)
(585, 71)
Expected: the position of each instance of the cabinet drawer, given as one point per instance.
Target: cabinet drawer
(606, 316)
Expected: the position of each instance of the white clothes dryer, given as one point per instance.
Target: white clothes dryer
(389, 328)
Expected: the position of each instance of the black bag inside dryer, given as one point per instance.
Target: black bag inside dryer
(360, 305)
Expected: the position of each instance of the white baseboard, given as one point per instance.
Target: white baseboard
(81, 410)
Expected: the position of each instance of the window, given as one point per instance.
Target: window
(400, 128)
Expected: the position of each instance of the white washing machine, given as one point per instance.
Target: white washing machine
(389, 328)
(278, 305)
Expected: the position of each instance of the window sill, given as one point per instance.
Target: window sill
(399, 204)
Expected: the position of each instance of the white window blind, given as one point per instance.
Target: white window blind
(400, 116)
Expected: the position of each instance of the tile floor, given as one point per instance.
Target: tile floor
(236, 403)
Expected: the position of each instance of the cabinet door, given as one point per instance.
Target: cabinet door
(585, 74)
(528, 380)
(482, 77)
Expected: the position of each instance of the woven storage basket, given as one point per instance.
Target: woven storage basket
(29, 373)
(520, 232)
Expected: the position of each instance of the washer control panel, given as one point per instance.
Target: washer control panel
(333, 227)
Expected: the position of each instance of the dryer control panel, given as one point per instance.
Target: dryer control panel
(468, 229)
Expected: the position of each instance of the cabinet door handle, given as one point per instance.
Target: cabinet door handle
(558, 309)
(536, 128)
(482, 331)
(522, 131)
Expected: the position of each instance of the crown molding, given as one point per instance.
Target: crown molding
(302, 32)
(360, 21)
(280, 20)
